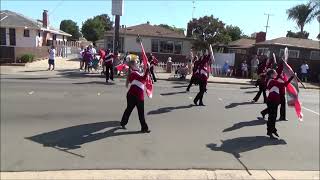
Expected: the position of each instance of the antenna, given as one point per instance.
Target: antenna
(193, 8)
(267, 26)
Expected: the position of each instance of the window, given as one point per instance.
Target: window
(12, 36)
(54, 37)
(109, 43)
(177, 47)
(263, 51)
(315, 55)
(166, 46)
(3, 37)
(292, 53)
(232, 51)
(26, 33)
(154, 45)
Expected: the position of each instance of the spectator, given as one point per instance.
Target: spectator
(254, 66)
(304, 71)
(244, 69)
(81, 58)
(226, 68)
(52, 55)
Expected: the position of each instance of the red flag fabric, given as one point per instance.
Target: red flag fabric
(149, 86)
(122, 67)
(292, 90)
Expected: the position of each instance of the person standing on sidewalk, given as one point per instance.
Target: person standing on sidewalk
(273, 101)
(304, 71)
(135, 95)
(52, 56)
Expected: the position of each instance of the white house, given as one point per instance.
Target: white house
(162, 42)
(20, 31)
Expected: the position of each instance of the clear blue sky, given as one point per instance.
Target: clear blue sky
(248, 15)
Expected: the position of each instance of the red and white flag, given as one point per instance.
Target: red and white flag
(292, 88)
(149, 86)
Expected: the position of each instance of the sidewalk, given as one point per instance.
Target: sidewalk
(163, 174)
(225, 80)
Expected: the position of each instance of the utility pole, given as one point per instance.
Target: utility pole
(267, 26)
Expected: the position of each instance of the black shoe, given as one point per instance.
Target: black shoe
(201, 104)
(187, 89)
(282, 119)
(145, 131)
(271, 136)
(195, 102)
(263, 115)
(123, 126)
(275, 133)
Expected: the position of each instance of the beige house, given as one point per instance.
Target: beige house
(162, 42)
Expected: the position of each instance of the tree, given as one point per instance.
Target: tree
(302, 14)
(318, 37)
(72, 28)
(234, 32)
(94, 28)
(207, 30)
(173, 28)
(303, 35)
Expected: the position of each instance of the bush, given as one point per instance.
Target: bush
(27, 58)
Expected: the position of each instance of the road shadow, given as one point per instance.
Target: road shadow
(41, 70)
(182, 86)
(173, 93)
(179, 82)
(36, 78)
(73, 74)
(168, 109)
(239, 145)
(232, 105)
(251, 92)
(73, 137)
(95, 82)
(256, 122)
(250, 87)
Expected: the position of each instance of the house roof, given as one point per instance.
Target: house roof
(242, 43)
(293, 42)
(13, 19)
(150, 30)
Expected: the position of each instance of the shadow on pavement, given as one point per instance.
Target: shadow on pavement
(95, 82)
(182, 86)
(77, 74)
(41, 70)
(173, 93)
(250, 87)
(243, 144)
(232, 105)
(73, 137)
(35, 78)
(168, 109)
(251, 92)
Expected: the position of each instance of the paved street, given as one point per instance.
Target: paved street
(70, 121)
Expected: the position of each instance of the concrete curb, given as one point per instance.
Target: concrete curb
(162, 174)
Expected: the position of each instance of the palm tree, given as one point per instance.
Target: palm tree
(302, 14)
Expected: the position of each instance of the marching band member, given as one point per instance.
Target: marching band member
(108, 63)
(135, 95)
(273, 101)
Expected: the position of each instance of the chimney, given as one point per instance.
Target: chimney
(260, 37)
(45, 19)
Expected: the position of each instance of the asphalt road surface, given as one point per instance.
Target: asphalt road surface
(71, 122)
